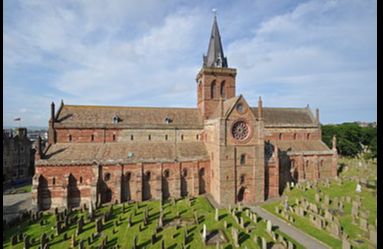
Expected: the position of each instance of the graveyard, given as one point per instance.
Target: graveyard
(342, 213)
(184, 223)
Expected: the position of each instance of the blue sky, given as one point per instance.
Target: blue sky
(147, 53)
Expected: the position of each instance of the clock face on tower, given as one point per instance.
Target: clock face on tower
(240, 130)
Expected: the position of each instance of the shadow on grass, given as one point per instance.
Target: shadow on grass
(242, 237)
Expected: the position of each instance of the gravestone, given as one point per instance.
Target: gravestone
(363, 224)
(373, 236)
(204, 233)
(264, 243)
(216, 215)
(268, 226)
(345, 243)
(317, 198)
(234, 233)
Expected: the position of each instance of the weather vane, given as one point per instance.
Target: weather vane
(215, 12)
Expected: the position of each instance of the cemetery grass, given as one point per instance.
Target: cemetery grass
(368, 202)
(125, 235)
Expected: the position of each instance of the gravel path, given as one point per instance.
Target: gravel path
(296, 234)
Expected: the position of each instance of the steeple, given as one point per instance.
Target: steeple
(215, 56)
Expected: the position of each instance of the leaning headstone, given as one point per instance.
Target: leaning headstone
(358, 188)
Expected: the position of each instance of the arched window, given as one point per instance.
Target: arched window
(166, 173)
(80, 179)
(70, 138)
(212, 90)
(114, 137)
(128, 175)
(147, 175)
(242, 179)
(150, 137)
(197, 136)
(242, 160)
(308, 136)
(223, 94)
(295, 136)
(182, 137)
(54, 180)
(92, 137)
(107, 177)
(307, 164)
(280, 136)
(131, 137)
(166, 137)
(184, 172)
(321, 163)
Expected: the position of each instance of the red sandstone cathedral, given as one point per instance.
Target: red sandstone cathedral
(224, 148)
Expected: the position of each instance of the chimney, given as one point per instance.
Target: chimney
(317, 115)
(38, 154)
(260, 108)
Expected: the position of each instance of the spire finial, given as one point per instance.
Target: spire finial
(214, 10)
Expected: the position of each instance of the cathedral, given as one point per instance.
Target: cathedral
(224, 148)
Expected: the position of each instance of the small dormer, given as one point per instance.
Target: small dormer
(116, 119)
(168, 120)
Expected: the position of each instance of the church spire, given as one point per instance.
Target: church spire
(215, 56)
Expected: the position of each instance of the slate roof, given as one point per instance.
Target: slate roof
(296, 146)
(87, 153)
(78, 116)
(215, 56)
(287, 117)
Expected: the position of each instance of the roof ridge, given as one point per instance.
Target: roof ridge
(134, 107)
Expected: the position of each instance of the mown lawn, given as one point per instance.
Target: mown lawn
(368, 202)
(125, 235)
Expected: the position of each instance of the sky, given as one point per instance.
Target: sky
(147, 53)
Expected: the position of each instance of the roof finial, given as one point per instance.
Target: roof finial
(215, 12)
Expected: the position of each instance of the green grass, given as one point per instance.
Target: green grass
(23, 189)
(368, 203)
(124, 237)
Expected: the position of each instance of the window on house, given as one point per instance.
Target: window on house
(242, 179)
(212, 90)
(223, 94)
(242, 160)
(107, 177)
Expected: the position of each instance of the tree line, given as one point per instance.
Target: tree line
(352, 139)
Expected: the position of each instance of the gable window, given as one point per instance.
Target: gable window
(240, 108)
(223, 94)
(212, 90)
(242, 160)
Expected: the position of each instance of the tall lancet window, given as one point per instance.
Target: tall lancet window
(223, 94)
(212, 90)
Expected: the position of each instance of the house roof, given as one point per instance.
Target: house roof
(87, 153)
(286, 117)
(296, 146)
(78, 116)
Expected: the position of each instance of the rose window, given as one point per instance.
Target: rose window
(240, 130)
